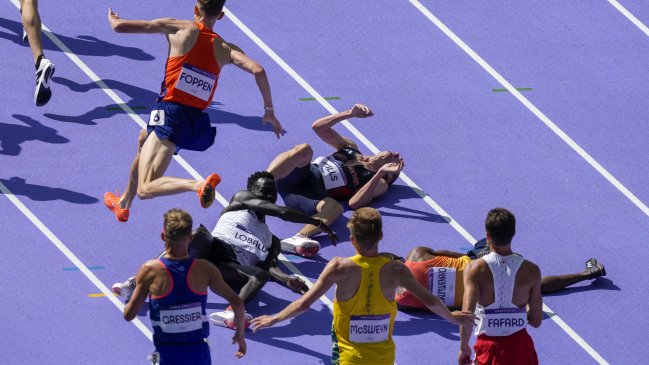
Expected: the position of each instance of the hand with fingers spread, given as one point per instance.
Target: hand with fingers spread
(269, 118)
(262, 322)
(239, 338)
(464, 318)
(393, 167)
(361, 111)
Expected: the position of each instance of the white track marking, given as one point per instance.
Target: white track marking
(288, 69)
(558, 131)
(630, 16)
(72, 257)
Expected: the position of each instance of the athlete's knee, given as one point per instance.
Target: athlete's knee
(144, 192)
(260, 278)
(141, 138)
(29, 12)
(302, 153)
(331, 207)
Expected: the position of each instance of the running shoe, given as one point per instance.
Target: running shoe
(25, 39)
(596, 269)
(301, 245)
(226, 319)
(112, 202)
(124, 290)
(206, 192)
(44, 73)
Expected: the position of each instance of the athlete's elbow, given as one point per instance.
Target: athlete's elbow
(535, 322)
(128, 316)
(257, 69)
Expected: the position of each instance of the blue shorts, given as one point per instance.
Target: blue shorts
(187, 127)
(302, 189)
(193, 354)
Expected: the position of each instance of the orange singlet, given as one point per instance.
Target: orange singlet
(191, 79)
(442, 276)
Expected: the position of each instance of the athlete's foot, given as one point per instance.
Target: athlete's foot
(112, 202)
(301, 245)
(44, 72)
(206, 192)
(124, 290)
(595, 269)
(226, 318)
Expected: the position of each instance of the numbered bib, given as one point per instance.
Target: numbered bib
(441, 283)
(332, 176)
(369, 328)
(157, 117)
(195, 81)
(181, 318)
(504, 321)
(246, 240)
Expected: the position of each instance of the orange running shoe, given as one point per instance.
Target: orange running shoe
(112, 202)
(206, 192)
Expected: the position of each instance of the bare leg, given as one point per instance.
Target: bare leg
(553, 284)
(32, 23)
(154, 159)
(328, 210)
(126, 199)
(285, 162)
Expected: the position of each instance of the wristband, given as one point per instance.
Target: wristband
(269, 108)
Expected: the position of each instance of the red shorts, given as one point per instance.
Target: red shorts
(517, 348)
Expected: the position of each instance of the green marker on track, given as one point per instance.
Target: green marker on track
(518, 88)
(120, 108)
(326, 98)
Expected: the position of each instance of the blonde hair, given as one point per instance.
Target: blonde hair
(177, 225)
(366, 226)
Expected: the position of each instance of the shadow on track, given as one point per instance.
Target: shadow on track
(19, 186)
(13, 135)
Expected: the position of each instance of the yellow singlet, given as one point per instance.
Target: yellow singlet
(362, 326)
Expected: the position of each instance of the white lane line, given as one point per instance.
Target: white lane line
(72, 257)
(630, 16)
(346, 123)
(137, 119)
(569, 141)
(562, 324)
(288, 69)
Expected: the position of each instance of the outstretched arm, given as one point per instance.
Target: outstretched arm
(246, 200)
(323, 127)
(330, 275)
(162, 25)
(247, 64)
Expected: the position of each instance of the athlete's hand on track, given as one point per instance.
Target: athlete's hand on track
(361, 111)
(269, 117)
(297, 285)
(333, 238)
(464, 356)
(239, 339)
(464, 318)
(262, 322)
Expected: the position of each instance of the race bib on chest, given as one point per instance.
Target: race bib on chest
(181, 318)
(195, 81)
(441, 283)
(157, 117)
(369, 328)
(331, 173)
(248, 241)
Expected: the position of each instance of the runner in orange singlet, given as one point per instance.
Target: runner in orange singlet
(196, 57)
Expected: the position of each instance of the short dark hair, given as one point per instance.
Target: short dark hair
(501, 225)
(365, 226)
(177, 225)
(212, 7)
(258, 175)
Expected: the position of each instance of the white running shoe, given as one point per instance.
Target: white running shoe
(226, 319)
(301, 245)
(124, 290)
(25, 39)
(43, 75)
